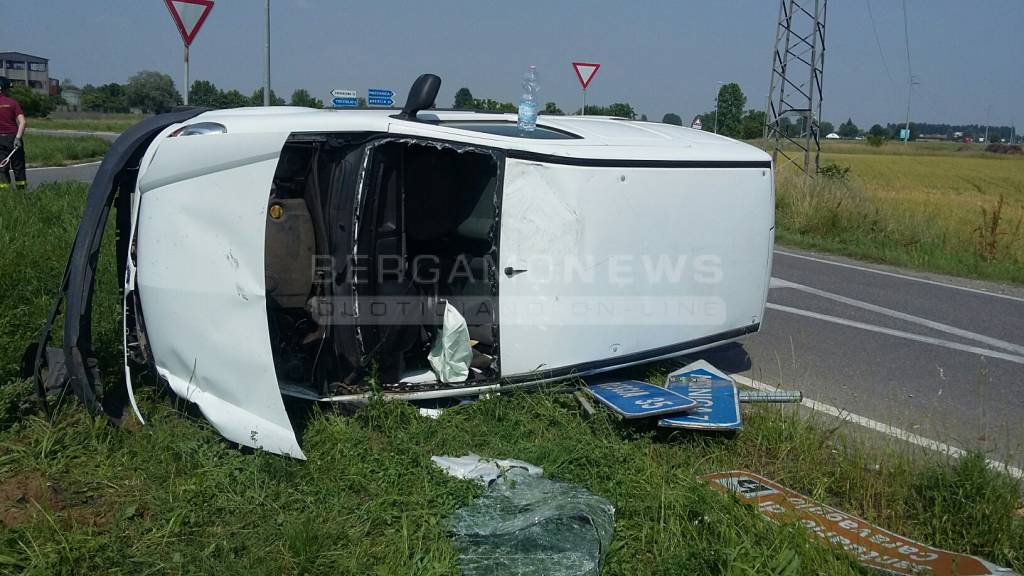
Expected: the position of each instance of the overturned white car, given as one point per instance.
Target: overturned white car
(322, 253)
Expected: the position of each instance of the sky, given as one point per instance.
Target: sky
(658, 55)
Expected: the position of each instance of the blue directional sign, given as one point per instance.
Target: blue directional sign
(353, 102)
(380, 97)
(635, 399)
(719, 402)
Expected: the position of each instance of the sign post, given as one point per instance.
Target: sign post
(585, 72)
(188, 16)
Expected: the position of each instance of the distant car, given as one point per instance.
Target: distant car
(269, 252)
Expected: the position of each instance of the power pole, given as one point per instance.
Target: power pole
(799, 53)
(266, 56)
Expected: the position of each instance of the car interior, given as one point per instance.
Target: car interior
(368, 240)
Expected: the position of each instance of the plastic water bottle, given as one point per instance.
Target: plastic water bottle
(528, 107)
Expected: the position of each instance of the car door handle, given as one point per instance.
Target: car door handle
(510, 271)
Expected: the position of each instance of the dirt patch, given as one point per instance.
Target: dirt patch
(24, 496)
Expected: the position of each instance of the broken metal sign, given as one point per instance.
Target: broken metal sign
(715, 393)
(635, 399)
(872, 546)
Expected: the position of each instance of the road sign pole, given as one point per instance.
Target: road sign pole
(266, 56)
(583, 111)
(186, 75)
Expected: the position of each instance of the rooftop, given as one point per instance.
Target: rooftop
(22, 57)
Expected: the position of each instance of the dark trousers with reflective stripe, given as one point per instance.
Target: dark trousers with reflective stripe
(16, 165)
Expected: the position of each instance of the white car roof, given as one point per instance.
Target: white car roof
(600, 137)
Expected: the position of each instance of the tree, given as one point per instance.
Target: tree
(106, 98)
(152, 92)
(302, 97)
(643, 117)
(622, 110)
(552, 109)
(673, 119)
(878, 132)
(205, 93)
(752, 124)
(33, 104)
(848, 129)
(257, 98)
(488, 105)
(235, 99)
(826, 128)
(730, 110)
(464, 99)
(618, 109)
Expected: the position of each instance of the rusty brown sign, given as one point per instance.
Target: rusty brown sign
(872, 546)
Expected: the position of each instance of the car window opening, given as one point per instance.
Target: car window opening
(357, 297)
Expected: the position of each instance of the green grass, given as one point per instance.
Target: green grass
(80, 497)
(927, 206)
(87, 122)
(44, 150)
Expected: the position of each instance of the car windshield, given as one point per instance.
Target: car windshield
(505, 128)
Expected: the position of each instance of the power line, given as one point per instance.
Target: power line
(878, 43)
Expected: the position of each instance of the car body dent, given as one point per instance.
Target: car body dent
(200, 280)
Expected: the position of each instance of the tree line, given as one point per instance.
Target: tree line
(155, 92)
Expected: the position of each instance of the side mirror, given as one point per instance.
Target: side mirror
(421, 96)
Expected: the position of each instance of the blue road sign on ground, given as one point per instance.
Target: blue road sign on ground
(345, 102)
(716, 394)
(635, 399)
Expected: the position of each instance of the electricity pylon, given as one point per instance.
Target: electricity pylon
(794, 98)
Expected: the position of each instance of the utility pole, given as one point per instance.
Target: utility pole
(988, 111)
(717, 94)
(910, 94)
(799, 49)
(266, 56)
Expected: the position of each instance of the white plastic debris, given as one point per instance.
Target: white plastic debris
(483, 470)
(451, 354)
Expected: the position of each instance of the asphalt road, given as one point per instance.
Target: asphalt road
(79, 173)
(936, 356)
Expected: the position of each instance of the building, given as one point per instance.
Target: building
(25, 69)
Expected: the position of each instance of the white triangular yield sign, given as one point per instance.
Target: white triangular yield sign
(585, 72)
(189, 16)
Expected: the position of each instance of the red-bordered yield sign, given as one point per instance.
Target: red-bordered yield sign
(189, 16)
(585, 71)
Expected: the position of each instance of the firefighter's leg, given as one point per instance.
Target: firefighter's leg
(6, 145)
(18, 167)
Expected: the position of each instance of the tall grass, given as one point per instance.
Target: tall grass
(87, 122)
(45, 150)
(842, 216)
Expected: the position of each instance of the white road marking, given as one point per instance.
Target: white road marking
(903, 276)
(892, 431)
(780, 283)
(62, 167)
(899, 333)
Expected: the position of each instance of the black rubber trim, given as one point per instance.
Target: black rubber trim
(636, 356)
(623, 163)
